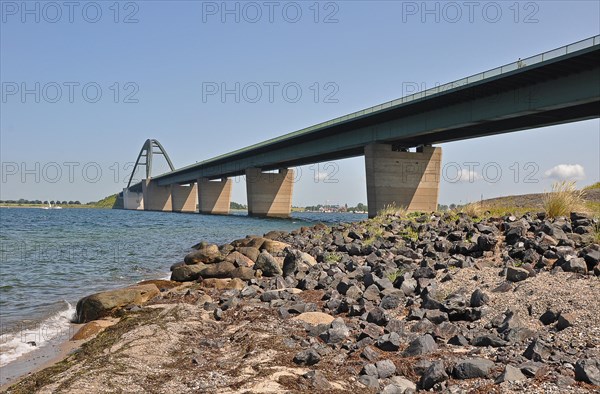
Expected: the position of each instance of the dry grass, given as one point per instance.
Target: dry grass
(563, 199)
(474, 209)
(392, 210)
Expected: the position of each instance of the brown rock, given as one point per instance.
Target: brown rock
(93, 328)
(250, 252)
(239, 259)
(208, 255)
(102, 304)
(223, 269)
(314, 318)
(223, 283)
(273, 247)
(187, 273)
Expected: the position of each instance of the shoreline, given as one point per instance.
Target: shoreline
(219, 290)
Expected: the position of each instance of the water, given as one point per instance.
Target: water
(49, 259)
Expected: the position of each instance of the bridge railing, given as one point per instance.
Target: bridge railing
(589, 42)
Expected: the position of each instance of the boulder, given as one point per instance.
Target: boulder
(223, 269)
(239, 259)
(249, 251)
(422, 345)
(267, 264)
(273, 247)
(435, 373)
(588, 371)
(510, 374)
(207, 254)
(472, 368)
(102, 304)
(516, 274)
(314, 318)
(187, 273)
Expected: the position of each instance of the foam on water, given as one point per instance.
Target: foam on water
(29, 336)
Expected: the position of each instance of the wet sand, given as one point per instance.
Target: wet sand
(43, 357)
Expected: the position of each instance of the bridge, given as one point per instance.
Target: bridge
(396, 138)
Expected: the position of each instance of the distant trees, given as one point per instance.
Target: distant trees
(235, 205)
(23, 201)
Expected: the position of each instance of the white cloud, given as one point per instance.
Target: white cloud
(561, 172)
(321, 176)
(468, 176)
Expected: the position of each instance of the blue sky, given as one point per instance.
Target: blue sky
(154, 64)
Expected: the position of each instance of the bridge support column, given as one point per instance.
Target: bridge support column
(269, 194)
(183, 198)
(156, 198)
(133, 200)
(214, 197)
(405, 179)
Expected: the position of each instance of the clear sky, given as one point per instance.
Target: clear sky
(84, 84)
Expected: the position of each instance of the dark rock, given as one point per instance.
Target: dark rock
(422, 345)
(389, 342)
(337, 332)
(575, 264)
(510, 374)
(436, 373)
(370, 381)
(537, 351)
(488, 340)
(307, 357)
(503, 287)
(390, 301)
(565, 320)
(436, 316)
(530, 368)
(486, 242)
(458, 340)
(479, 298)
(369, 353)
(377, 316)
(267, 264)
(472, 368)
(588, 371)
(424, 272)
(385, 368)
(371, 331)
(317, 381)
(549, 317)
(369, 369)
(372, 293)
(516, 274)
(269, 296)
(445, 330)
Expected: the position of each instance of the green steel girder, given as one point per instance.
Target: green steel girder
(546, 91)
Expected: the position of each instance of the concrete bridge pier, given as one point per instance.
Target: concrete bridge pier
(133, 200)
(269, 193)
(214, 197)
(156, 198)
(405, 179)
(184, 197)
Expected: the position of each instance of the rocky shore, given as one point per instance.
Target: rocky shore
(395, 304)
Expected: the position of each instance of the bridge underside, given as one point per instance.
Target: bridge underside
(561, 90)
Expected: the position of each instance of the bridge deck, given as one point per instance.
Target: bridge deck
(559, 86)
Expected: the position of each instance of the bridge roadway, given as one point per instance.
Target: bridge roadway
(559, 86)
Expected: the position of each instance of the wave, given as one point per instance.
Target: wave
(26, 337)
